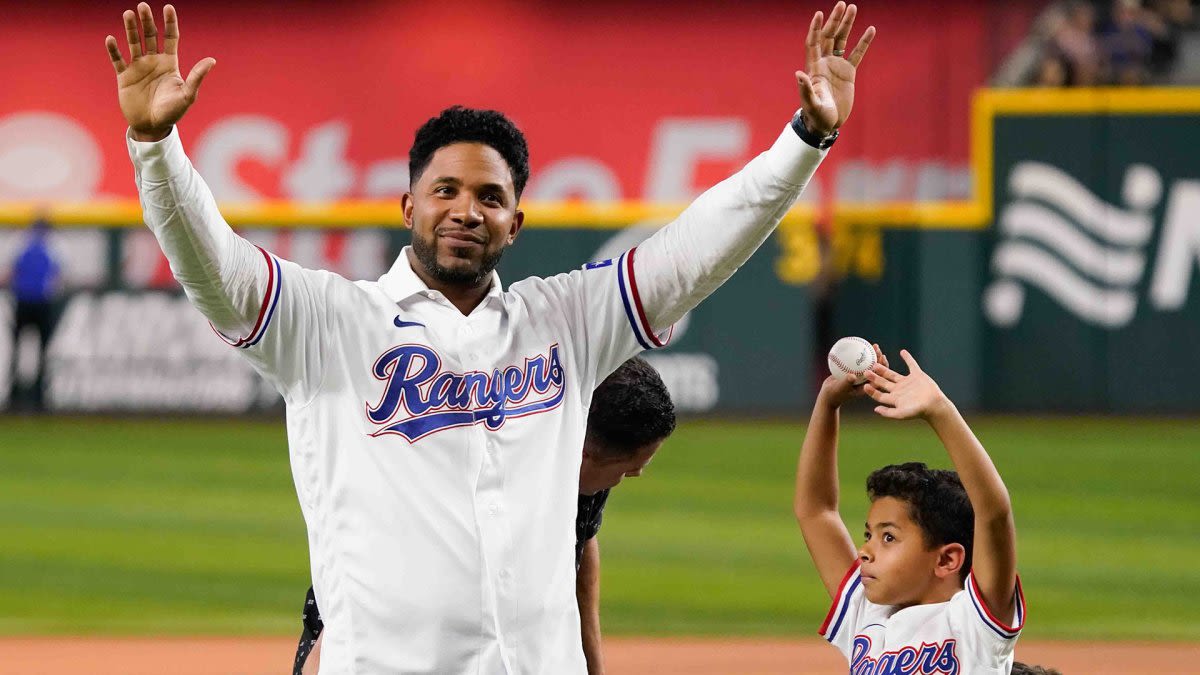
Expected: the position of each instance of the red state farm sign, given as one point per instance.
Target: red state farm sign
(620, 100)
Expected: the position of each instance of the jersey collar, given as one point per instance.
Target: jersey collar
(401, 282)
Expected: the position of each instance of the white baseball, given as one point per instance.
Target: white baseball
(851, 356)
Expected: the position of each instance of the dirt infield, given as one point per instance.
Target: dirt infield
(625, 656)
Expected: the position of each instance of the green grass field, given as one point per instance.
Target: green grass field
(135, 526)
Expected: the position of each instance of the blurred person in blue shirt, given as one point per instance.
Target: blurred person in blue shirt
(35, 277)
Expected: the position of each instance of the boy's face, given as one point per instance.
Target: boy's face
(898, 566)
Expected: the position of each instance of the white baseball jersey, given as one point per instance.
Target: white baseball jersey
(957, 637)
(435, 455)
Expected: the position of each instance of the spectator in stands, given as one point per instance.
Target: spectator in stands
(1167, 20)
(1075, 39)
(1052, 71)
(1127, 42)
(35, 285)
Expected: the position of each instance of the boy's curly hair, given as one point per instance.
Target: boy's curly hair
(937, 503)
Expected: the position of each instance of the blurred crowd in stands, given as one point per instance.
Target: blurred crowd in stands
(1082, 43)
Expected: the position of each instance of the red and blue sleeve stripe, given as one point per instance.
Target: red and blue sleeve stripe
(269, 303)
(632, 302)
(997, 626)
(841, 603)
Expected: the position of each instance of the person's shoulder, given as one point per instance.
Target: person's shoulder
(536, 284)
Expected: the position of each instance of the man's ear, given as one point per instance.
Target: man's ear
(518, 221)
(406, 207)
(950, 559)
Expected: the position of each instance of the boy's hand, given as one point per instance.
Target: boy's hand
(836, 391)
(905, 396)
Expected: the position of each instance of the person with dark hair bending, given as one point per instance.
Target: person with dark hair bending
(630, 416)
(934, 587)
(435, 416)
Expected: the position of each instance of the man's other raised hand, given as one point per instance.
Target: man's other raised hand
(150, 89)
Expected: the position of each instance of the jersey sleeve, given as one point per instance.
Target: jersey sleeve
(691, 257)
(287, 341)
(602, 304)
(272, 309)
(991, 638)
(850, 613)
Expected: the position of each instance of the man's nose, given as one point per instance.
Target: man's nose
(466, 211)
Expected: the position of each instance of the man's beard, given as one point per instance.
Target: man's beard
(427, 255)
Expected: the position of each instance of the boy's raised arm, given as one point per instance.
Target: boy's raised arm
(995, 550)
(816, 502)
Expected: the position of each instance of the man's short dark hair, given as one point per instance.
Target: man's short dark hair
(630, 409)
(469, 125)
(937, 503)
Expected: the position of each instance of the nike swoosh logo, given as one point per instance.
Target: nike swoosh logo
(401, 323)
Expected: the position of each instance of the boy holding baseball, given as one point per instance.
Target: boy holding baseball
(933, 588)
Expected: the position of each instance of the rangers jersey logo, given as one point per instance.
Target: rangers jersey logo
(928, 660)
(420, 399)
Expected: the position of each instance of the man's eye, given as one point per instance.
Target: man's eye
(442, 190)
(866, 536)
(493, 198)
(887, 537)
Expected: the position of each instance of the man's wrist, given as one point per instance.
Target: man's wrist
(818, 139)
(152, 136)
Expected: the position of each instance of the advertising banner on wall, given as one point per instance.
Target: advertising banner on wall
(1091, 298)
(620, 100)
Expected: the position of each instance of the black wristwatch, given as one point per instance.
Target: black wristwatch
(816, 140)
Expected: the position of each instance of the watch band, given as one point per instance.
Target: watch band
(816, 140)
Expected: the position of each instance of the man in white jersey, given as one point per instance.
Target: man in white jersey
(431, 415)
(934, 587)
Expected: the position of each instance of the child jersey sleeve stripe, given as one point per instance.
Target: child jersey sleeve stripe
(841, 604)
(1000, 628)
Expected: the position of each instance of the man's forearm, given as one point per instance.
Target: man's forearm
(587, 594)
(223, 275)
(692, 256)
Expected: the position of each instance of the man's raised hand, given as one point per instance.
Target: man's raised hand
(827, 81)
(152, 92)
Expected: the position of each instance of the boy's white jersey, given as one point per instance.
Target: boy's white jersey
(436, 455)
(957, 637)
